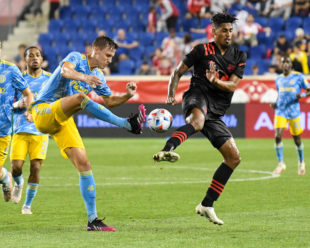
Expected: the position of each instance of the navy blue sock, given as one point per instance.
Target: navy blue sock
(179, 136)
(220, 178)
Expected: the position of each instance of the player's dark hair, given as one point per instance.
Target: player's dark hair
(30, 47)
(221, 18)
(104, 41)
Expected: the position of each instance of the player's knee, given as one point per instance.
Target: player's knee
(233, 161)
(278, 138)
(80, 97)
(16, 171)
(35, 168)
(197, 123)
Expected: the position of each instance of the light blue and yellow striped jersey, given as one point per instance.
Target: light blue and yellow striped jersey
(21, 125)
(11, 81)
(57, 86)
(102, 90)
(287, 87)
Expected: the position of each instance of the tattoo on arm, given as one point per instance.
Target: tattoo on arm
(175, 77)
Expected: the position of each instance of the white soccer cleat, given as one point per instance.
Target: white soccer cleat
(209, 213)
(26, 209)
(7, 188)
(281, 167)
(166, 156)
(301, 168)
(17, 192)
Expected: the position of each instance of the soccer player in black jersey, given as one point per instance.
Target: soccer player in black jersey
(218, 69)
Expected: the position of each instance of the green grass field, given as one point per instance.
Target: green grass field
(152, 205)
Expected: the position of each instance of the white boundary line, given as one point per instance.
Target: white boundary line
(267, 175)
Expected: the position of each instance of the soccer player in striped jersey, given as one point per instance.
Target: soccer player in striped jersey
(57, 102)
(11, 82)
(287, 110)
(218, 69)
(27, 139)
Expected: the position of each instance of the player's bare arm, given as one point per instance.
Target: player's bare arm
(112, 101)
(174, 81)
(27, 94)
(67, 71)
(230, 85)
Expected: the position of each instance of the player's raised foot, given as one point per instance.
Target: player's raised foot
(7, 188)
(166, 156)
(17, 192)
(209, 213)
(281, 167)
(26, 209)
(98, 225)
(301, 168)
(136, 121)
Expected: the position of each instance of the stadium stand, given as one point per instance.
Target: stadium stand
(87, 17)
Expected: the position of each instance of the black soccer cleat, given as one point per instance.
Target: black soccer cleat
(136, 121)
(98, 225)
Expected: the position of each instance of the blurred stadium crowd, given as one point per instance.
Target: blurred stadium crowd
(154, 35)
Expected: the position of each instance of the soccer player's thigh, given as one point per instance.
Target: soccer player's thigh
(20, 146)
(217, 132)
(68, 136)
(295, 126)
(193, 98)
(38, 146)
(48, 117)
(280, 122)
(4, 148)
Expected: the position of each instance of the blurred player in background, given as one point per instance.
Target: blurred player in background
(11, 81)
(218, 69)
(57, 101)
(27, 139)
(287, 109)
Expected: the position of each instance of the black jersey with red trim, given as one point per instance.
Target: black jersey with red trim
(232, 62)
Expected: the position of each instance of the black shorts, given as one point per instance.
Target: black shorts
(214, 128)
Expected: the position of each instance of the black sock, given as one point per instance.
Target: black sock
(220, 178)
(179, 136)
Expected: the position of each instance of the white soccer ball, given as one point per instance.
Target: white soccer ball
(159, 120)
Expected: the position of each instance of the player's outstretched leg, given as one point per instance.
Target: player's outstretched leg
(178, 137)
(209, 213)
(279, 152)
(133, 124)
(6, 181)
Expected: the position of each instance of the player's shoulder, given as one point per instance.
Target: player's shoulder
(46, 73)
(10, 66)
(75, 54)
(4, 62)
(240, 55)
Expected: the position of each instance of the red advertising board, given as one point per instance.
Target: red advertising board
(149, 91)
(259, 121)
(153, 89)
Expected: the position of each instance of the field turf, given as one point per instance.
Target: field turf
(152, 205)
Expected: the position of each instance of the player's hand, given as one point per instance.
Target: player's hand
(93, 81)
(22, 103)
(212, 72)
(28, 116)
(171, 100)
(131, 88)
